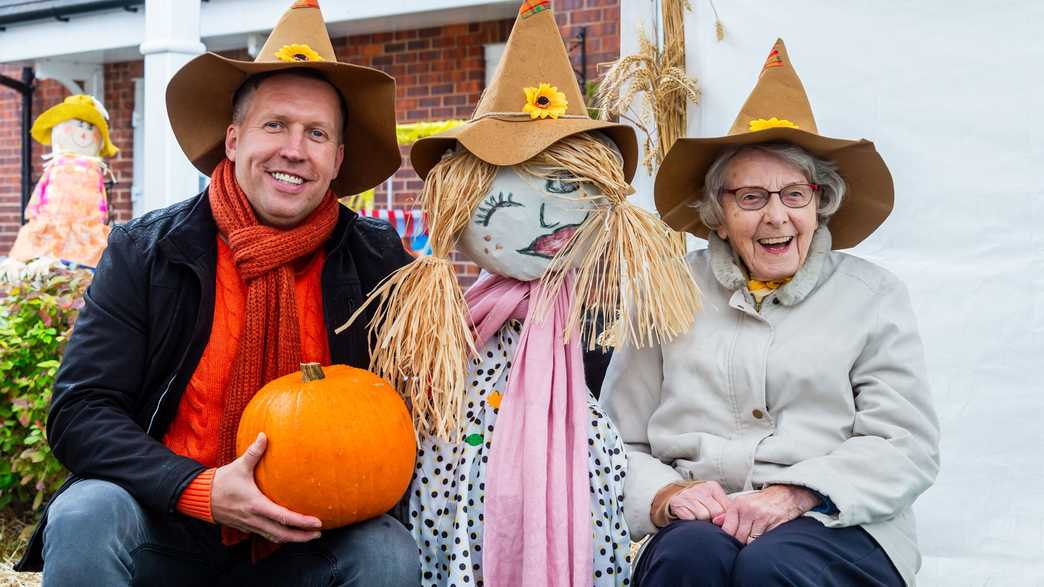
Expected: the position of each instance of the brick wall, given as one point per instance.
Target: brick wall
(439, 71)
(119, 101)
(10, 159)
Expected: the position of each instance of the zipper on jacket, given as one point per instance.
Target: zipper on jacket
(163, 395)
(188, 350)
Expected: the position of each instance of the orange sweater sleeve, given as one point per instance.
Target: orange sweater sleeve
(195, 500)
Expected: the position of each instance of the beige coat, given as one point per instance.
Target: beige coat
(824, 388)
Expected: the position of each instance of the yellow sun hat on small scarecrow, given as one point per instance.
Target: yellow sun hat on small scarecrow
(78, 107)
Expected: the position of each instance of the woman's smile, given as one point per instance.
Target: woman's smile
(778, 245)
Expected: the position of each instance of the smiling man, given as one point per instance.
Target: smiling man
(195, 307)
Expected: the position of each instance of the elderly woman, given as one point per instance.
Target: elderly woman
(784, 439)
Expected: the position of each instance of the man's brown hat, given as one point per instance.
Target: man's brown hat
(199, 99)
(533, 101)
(778, 111)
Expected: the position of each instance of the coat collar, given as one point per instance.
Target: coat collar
(194, 236)
(729, 271)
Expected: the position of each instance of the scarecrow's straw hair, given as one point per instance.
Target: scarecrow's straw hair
(587, 159)
(420, 333)
(620, 252)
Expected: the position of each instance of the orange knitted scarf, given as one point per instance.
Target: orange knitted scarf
(270, 345)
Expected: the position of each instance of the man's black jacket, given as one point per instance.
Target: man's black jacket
(146, 320)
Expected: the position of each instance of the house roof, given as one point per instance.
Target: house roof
(15, 11)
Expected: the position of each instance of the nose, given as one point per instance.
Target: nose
(774, 213)
(544, 223)
(293, 146)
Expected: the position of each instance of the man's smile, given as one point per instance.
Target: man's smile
(287, 178)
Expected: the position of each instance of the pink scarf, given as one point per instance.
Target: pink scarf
(538, 501)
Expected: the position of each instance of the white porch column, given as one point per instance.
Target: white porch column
(171, 40)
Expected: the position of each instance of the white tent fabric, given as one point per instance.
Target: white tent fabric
(952, 94)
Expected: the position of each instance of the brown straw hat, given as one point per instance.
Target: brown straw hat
(523, 102)
(778, 111)
(199, 99)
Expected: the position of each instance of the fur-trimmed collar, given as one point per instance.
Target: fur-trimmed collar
(729, 271)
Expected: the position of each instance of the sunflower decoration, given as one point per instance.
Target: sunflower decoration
(544, 101)
(297, 52)
(765, 124)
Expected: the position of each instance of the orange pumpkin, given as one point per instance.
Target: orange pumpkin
(340, 443)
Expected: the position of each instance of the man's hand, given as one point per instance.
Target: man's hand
(754, 514)
(236, 501)
(700, 502)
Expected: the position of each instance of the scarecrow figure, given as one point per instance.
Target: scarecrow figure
(68, 212)
(519, 473)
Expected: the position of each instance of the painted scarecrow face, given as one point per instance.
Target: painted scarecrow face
(76, 136)
(523, 221)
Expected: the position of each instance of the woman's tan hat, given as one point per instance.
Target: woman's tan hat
(778, 111)
(199, 99)
(524, 102)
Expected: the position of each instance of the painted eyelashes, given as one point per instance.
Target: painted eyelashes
(492, 204)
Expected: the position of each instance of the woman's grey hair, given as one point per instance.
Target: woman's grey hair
(818, 171)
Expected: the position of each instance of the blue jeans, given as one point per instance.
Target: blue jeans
(800, 553)
(97, 534)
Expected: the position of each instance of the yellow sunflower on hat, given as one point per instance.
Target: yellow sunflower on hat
(543, 101)
(297, 52)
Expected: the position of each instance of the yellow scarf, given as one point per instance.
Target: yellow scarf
(761, 289)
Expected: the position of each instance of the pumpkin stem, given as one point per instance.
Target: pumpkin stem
(312, 372)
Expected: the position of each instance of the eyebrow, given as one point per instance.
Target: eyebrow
(283, 117)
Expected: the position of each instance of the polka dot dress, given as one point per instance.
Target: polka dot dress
(446, 496)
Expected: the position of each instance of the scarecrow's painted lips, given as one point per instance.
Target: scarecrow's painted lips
(548, 245)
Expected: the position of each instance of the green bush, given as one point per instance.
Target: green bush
(38, 306)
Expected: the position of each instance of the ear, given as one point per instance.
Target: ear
(721, 233)
(231, 141)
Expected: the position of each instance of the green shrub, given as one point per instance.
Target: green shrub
(38, 306)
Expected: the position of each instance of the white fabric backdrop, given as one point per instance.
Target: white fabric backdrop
(952, 93)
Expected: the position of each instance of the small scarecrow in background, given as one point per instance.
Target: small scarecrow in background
(68, 212)
(519, 473)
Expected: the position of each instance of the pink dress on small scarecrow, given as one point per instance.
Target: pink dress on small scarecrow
(68, 212)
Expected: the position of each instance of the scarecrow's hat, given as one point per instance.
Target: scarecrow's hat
(778, 111)
(533, 101)
(81, 107)
(199, 99)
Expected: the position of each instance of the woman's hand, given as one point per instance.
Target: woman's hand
(753, 514)
(700, 502)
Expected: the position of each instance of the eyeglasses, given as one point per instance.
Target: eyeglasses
(795, 195)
